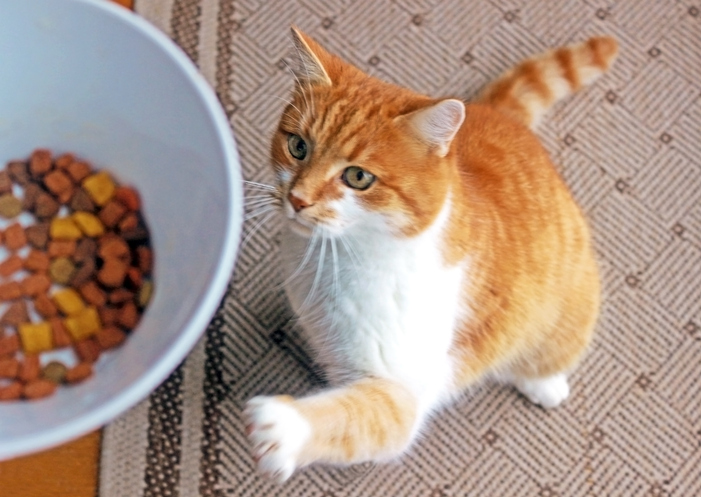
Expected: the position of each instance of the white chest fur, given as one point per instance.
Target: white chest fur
(388, 307)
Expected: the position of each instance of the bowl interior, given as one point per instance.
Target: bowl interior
(95, 80)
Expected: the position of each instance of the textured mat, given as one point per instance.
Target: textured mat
(629, 146)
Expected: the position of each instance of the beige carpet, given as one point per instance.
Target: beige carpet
(629, 146)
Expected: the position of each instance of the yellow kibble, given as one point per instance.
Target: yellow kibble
(64, 228)
(89, 224)
(68, 301)
(84, 324)
(100, 187)
(35, 337)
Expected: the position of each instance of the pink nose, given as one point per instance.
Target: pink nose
(297, 203)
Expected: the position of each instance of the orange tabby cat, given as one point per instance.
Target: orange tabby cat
(461, 254)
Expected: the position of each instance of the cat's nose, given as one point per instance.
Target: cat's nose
(297, 203)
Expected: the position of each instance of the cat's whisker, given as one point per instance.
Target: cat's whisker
(288, 102)
(309, 79)
(350, 251)
(307, 255)
(258, 212)
(298, 81)
(255, 184)
(261, 202)
(255, 228)
(334, 259)
(317, 276)
(266, 195)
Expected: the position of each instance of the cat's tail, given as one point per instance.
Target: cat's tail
(531, 88)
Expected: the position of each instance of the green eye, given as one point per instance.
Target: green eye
(297, 147)
(358, 178)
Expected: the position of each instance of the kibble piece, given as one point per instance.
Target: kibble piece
(40, 162)
(129, 222)
(45, 206)
(11, 290)
(128, 316)
(9, 345)
(13, 391)
(58, 182)
(45, 307)
(29, 368)
(144, 257)
(87, 350)
(36, 260)
(10, 206)
(93, 294)
(31, 193)
(108, 315)
(86, 249)
(84, 324)
(89, 224)
(68, 301)
(64, 160)
(120, 295)
(62, 270)
(15, 238)
(59, 333)
(64, 228)
(37, 235)
(11, 265)
(81, 201)
(15, 314)
(134, 277)
(79, 171)
(110, 337)
(18, 172)
(5, 182)
(112, 246)
(61, 248)
(100, 187)
(66, 196)
(84, 273)
(38, 389)
(112, 273)
(35, 337)
(54, 371)
(128, 197)
(9, 367)
(35, 284)
(145, 294)
(112, 213)
(82, 371)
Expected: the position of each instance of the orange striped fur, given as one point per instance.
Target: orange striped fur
(471, 180)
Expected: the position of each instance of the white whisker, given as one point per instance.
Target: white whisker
(259, 212)
(307, 255)
(259, 185)
(255, 228)
(317, 276)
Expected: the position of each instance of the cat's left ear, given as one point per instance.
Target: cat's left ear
(437, 124)
(313, 59)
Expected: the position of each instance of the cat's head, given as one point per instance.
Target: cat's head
(352, 152)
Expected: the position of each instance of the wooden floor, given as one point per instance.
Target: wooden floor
(70, 470)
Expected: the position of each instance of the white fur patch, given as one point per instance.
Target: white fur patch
(547, 392)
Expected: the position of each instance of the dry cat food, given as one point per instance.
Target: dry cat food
(77, 276)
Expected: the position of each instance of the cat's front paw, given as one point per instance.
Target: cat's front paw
(277, 432)
(547, 392)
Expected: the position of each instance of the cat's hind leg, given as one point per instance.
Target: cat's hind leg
(371, 419)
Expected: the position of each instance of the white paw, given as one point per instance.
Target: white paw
(277, 433)
(547, 392)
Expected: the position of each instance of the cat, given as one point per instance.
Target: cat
(428, 244)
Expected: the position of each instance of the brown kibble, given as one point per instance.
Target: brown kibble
(120, 295)
(110, 337)
(38, 389)
(15, 314)
(11, 265)
(79, 171)
(29, 368)
(9, 367)
(40, 162)
(31, 193)
(112, 213)
(93, 294)
(62, 270)
(45, 306)
(59, 333)
(84, 273)
(54, 371)
(128, 316)
(129, 222)
(144, 257)
(45, 206)
(87, 350)
(134, 277)
(10, 206)
(11, 290)
(61, 248)
(108, 315)
(13, 391)
(128, 197)
(18, 172)
(58, 182)
(64, 160)
(112, 246)
(5, 182)
(38, 235)
(81, 372)
(81, 201)
(15, 238)
(112, 273)
(35, 284)
(86, 249)
(36, 260)
(9, 345)
(65, 196)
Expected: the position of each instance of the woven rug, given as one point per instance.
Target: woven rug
(630, 148)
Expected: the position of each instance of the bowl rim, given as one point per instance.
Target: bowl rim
(197, 323)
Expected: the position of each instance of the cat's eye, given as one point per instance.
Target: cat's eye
(297, 147)
(357, 178)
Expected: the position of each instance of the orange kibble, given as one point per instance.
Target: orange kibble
(35, 337)
(11, 265)
(61, 248)
(38, 389)
(64, 160)
(83, 324)
(112, 273)
(40, 162)
(93, 294)
(64, 228)
(89, 224)
(15, 237)
(15, 314)
(128, 316)
(87, 350)
(68, 301)
(120, 295)
(128, 197)
(29, 368)
(112, 246)
(34, 285)
(82, 371)
(59, 333)
(79, 171)
(45, 307)
(9, 367)
(110, 337)
(36, 260)
(108, 315)
(13, 391)
(100, 187)
(144, 257)
(9, 345)
(58, 182)
(10, 291)
(111, 213)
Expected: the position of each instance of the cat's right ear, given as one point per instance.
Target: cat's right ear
(437, 124)
(312, 59)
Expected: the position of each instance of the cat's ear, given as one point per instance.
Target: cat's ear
(437, 124)
(313, 59)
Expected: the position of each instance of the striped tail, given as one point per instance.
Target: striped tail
(528, 90)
